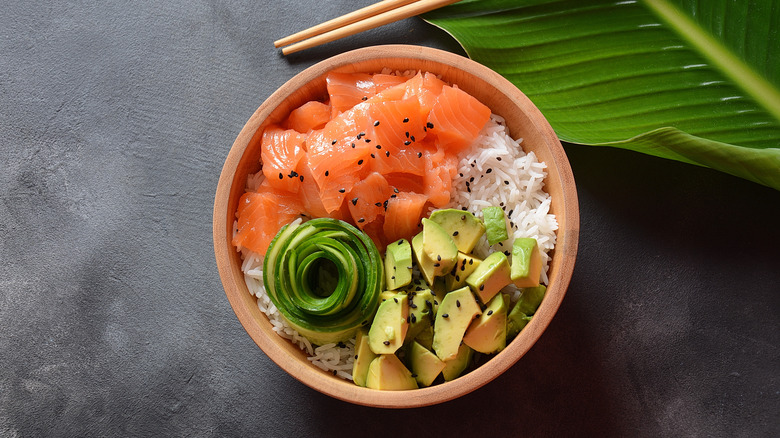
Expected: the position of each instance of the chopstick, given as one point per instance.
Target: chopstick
(376, 15)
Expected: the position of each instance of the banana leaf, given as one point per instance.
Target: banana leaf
(694, 81)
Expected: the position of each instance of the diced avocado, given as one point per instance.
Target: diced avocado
(389, 327)
(421, 311)
(464, 228)
(453, 368)
(439, 289)
(516, 322)
(524, 308)
(487, 334)
(490, 276)
(425, 264)
(425, 365)
(363, 358)
(455, 313)
(464, 266)
(526, 262)
(425, 338)
(388, 373)
(495, 224)
(438, 247)
(530, 299)
(398, 264)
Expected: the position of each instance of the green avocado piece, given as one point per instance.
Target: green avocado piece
(490, 276)
(398, 264)
(426, 366)
(425, 264)
(526, 262)
(530, 299)
(438, 247)
(387, 372)
(464, 266)
(516, 322)
(389, 327)
(456, 311)
(425, 337)
(487, 334)
(363, 358)
(462, 226)
(453, 368)
(495, 224)
(421, 311)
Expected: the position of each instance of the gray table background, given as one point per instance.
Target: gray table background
(115, 119)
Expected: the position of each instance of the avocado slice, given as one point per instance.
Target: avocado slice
(462, 226)
(388, 373)
(495, 224)
(363, 357)
(421, 311)
(389, 327)
(438, 247)
(426, 366)
(530, 299)
(453, 368)
(455, 313)
(490, 276)
(398, 264)
(516, 322)
(425, 264)
(487, 334)
(464, 266)
(526, 262)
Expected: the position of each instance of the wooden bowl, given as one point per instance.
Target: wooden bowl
(523, 119)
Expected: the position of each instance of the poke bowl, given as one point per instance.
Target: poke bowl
(516, 115)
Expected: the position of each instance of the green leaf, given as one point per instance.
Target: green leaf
(694, 81)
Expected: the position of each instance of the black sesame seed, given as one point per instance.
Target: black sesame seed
(376, 123)
(507, 253)
(356, 356)
(393, 277)
(412, 137)
(387, 153)
(414, 318)
(373, 156)
(393, 196)
(407, 134)
(395, 299)
(333, 142)
(281, 176)
(438, 257)
(506, 182)
(457, 278)
(407, 143)
(386, 342)
(379, 146)
(406, 120)
(413, 306)
(498, 158)
(353, 145)
(489, 170)
(361, 220)
(490, 312)
(455, 233)
(446, 315)
(354, 201)
(395, 190)
(360, 162)
(378, 204)
(414, 375)
(408, 319)
(463, 218)
(436, 265)
(457, 303)
(327, 172)
(471, 261)
(419, 154)
(335, 372)
(342, 190)
(481, 287)
(368, 140)
(429, 125)
(510, 213)
(301, 178)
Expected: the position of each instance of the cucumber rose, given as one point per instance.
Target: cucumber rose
(325, 277)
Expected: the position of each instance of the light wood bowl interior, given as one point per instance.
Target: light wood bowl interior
(523, 119)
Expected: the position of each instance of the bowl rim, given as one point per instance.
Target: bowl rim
(275, 348)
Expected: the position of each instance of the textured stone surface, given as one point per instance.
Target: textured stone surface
(115, 118)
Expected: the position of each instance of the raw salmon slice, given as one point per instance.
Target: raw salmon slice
(366, 200)
(281, 150)
(440, 168)
(338, 154)
(456, 119)
(261, 215)
(398, 124)
(402, 219)
(309, 116)
(385, 81)
(348, 89)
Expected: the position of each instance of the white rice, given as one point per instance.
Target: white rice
(526, 205)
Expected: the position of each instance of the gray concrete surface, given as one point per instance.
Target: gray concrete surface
(115, 119)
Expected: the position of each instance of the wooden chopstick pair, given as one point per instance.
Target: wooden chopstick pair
(378, 14)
